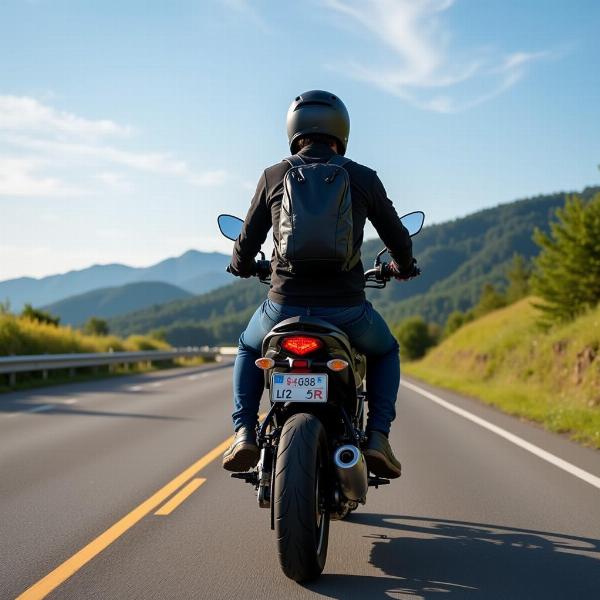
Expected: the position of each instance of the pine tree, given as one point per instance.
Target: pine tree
(518, 275)
(490, 299)
(567, 271)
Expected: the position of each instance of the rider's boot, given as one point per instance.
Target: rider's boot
(243, 454)
(380, 458)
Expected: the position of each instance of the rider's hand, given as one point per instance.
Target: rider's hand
(244, 275)
(405, 273)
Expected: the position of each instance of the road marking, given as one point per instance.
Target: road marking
(135, 388)
(42, 408)
(68, 568)
(180, 496)
(192, 377)
(35, 409)
(156, 384)
(69, 401)
(511, 437)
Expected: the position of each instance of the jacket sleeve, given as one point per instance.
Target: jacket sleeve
(254, 231)
(386, 221)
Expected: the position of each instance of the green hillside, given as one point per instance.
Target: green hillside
(112, 301)
(507, 360)
(213, 318)
(456, 259)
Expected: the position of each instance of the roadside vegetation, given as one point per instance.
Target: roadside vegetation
(38, 332)
(536, 357)
(505, 359)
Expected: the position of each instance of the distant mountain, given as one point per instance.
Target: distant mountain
(196, 272)
(456, 259)
(112, 301)
(211, 317)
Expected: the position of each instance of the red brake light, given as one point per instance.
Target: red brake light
(301, 345)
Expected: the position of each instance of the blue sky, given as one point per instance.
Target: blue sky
(126, 127)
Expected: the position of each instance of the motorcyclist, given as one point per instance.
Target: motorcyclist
(318, 126)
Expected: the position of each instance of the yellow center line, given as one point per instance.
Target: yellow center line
(59, 575)
(168, 507)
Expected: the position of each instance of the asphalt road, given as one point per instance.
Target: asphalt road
(85, 467)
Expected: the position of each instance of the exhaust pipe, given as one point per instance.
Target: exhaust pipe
(351, 470)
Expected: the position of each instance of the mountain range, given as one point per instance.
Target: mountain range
(195, 272)
(112, 301)
(456, 258)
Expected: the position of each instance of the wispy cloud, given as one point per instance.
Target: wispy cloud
(248, 10)
(39, 144)
(425, 71)
(21, 177)
(21, 113)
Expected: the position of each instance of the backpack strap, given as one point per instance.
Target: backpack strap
(294, 161)
(338, 160)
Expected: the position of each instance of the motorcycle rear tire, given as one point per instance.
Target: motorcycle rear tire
(301, 514)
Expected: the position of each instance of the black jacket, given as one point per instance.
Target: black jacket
(369, 201)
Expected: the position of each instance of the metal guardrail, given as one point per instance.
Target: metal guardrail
(11, 365)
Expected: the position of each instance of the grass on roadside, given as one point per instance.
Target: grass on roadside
(506, 360)
(23, 336)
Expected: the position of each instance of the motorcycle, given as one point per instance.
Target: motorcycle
(311, 469)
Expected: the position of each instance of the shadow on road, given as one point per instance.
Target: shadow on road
(434, 558)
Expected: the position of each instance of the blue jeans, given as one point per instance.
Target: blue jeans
(368, 333)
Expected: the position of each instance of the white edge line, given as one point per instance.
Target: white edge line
(511, 437)
(39, 408)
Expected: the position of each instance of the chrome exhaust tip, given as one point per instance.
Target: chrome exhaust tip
(351, 470)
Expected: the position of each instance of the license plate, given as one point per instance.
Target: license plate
(295, 387)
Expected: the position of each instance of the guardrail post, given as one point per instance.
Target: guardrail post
(72, 372)
(12, 379)
(44, 374)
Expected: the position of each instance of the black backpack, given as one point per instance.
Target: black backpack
(315, 223)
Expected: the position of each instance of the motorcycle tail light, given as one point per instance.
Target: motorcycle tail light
(264, 363)
(301, 345)
(337, 364)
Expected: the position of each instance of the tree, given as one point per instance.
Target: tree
(96, 326)
(41, 316)
(415, 338)
(567, 271)
(456, 319)
(518, 275)
(490, 299)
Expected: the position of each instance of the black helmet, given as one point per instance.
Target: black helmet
(318, 112)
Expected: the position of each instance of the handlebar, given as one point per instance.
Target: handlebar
(375, 278)
(381, 274)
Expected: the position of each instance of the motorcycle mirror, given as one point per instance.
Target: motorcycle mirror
(230, 226)
(413, 222)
